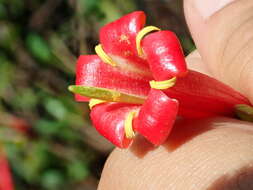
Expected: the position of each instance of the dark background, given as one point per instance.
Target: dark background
(47, 136)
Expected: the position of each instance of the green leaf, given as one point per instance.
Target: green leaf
(47, 127)
(78, 170)
(52, 179)
(6, 76)
(55, 108)
(25, 99)
(3, 12)
(39, 47)
(36, 159)
(106, 94)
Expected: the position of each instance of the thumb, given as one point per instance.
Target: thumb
(222, 31)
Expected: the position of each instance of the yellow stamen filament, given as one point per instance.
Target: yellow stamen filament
(93, 102)
(162, 85)
(128, 126)
(141, 35)
(106, 58)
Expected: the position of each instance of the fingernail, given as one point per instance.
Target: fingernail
(208, 7)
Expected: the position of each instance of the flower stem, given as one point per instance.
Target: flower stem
(244, 112)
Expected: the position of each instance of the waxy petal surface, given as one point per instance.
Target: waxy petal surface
(118, 38)
(92, 71)
(164, 55)
(200, 96)
(109, 118)
(156, 117)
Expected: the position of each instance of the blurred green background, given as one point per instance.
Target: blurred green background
(48, 137)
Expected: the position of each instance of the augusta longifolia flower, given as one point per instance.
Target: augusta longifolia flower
(138, 82)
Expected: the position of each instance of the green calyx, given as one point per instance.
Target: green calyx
(244, 112)
(106, 94)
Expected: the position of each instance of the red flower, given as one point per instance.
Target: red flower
(142, 83)
(5, 174)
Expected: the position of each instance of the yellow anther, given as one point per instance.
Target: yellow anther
(100, 52)
(162, 85)
(128, 126)
(141, 34)
(94, 102)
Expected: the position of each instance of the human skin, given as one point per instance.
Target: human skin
(215, 153)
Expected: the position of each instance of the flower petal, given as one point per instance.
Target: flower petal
(157, 116)
(91, 71)
(200, 96)
(164, 55)
(118, 39)
(109, 118)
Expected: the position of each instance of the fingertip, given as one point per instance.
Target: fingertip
(224, 40)
(223, 151)
(195, 62)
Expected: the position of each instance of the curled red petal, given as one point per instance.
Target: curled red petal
(5, 174)
(200, 96)
(157, 116)
(109, 118)
(164, 55)
(92, 71)
(118, 38)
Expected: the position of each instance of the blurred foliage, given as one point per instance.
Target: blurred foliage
(47, 135)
